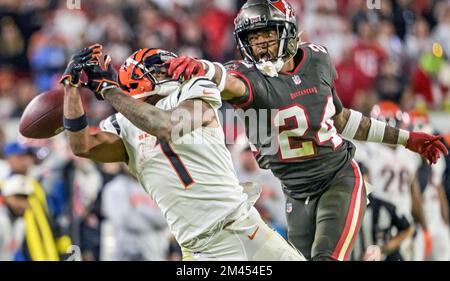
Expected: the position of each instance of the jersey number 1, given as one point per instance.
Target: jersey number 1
(293, 123)
(177, 164)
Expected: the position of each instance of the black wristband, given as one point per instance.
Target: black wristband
(75, 125)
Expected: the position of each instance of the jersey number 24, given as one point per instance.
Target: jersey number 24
(292, 144)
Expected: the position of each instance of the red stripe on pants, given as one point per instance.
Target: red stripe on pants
(337, 251)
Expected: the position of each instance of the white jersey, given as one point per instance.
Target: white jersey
(192, 179)
(431, 201)
(391, 171)
(433, 214)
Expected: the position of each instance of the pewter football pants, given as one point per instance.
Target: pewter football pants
(325, 227)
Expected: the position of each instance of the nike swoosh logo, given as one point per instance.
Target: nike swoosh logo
(251, 236)
(205, 93)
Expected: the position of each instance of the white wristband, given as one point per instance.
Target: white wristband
(352, 125)
(403, 137)
(376, 131)
(211, 69)
(223, 78)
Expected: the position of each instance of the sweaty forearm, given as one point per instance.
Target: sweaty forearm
(146, 117)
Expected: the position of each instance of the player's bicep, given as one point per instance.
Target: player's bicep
(340, 119)
(105, 147)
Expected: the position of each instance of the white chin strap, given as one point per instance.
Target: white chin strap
(270, 68)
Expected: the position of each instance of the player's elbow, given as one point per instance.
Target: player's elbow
(80, 150)
(81, 153)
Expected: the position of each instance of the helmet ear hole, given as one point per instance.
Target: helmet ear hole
(133, 86)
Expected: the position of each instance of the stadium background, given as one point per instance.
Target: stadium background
(399, 52)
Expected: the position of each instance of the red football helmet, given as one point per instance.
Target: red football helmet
(390, 113)
(138, 74)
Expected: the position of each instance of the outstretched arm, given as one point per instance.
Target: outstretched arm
(230, 86)
(390, 135)
(353, 125)
(165, 125)
(102, 146)
(349, 123)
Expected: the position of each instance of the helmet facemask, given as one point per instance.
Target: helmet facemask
(264, 15)
(148, 71)
(283, 37)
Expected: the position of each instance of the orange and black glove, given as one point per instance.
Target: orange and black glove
(101, 76)
(78, 61)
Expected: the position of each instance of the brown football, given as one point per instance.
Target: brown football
(43, 116)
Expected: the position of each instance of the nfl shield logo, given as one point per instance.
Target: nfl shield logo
(297, 79)
(288, 207)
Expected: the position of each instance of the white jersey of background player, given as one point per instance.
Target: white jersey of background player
(190, 177)
(393, 173)
(433, 201)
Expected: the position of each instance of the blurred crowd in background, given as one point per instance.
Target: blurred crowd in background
(399, 53)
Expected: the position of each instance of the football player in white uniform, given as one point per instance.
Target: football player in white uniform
(435, 202)
(393, 173)
(174, 145)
